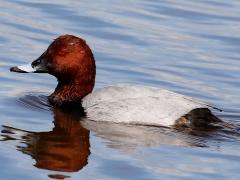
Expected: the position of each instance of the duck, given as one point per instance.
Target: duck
(70, 59)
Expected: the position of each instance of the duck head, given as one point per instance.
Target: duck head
(71, 61)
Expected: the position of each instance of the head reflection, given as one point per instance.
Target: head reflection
(65, 148)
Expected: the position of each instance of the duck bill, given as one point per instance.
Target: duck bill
(37, 66)
(27, 68)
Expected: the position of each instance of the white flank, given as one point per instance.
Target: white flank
(138, 105)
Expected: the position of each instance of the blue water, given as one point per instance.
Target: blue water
(190, 47)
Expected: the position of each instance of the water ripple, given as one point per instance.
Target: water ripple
(191, 47)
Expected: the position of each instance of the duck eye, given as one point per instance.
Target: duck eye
(61, 52)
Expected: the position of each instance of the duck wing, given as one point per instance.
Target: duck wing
(138, 105)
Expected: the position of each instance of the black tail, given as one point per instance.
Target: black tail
(198, 119)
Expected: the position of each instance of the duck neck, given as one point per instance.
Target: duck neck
(70, 92)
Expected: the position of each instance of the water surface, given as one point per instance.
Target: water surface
(190, 47)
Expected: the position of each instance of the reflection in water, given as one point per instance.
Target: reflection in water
(191, 47)
(65, 148)
(128, 138)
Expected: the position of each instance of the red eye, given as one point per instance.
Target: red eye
(61, 52)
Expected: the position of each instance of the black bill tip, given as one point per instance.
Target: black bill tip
(16, 69)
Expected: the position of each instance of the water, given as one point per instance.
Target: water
(190, 47)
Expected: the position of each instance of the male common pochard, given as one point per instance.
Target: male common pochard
(71, 61)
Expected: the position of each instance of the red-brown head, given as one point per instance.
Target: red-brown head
(71, 61)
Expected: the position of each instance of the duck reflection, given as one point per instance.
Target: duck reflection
(66, 148)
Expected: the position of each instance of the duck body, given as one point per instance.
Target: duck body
(71, 61)
(136, 104)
